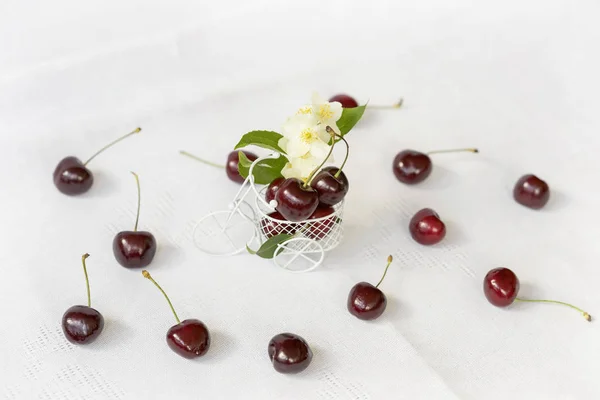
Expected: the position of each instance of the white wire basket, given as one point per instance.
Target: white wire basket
(229, 232)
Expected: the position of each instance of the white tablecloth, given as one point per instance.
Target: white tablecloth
(517, 79)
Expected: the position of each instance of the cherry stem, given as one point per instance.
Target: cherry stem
(337, 174)
(312, 174)
(185, 153)
(149, 277)
(382, 107)
(389, 261)
(139, 201)
(136, 130)
(87, 281)
(585, 314)
(470, 150)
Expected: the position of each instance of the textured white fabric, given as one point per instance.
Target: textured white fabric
(517, 79)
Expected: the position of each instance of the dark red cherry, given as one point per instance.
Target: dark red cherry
(411, 166)
(345, 100)
(273, 188)
(189, 338)
(134, 249)
(531, 192)
(334, 170)
(72, 177)
(331, 190)
(271, 227)
(320, 229)
(426, 227)
(82, 324)
(501, 287)
(366, 301)
(296, 202)
(233, 159)
(289, 353)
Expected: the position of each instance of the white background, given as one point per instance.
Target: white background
(517, 79)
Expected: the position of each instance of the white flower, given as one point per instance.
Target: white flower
(301, 167)
(301, 136)
(305, 137)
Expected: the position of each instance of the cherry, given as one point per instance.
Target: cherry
(345, 100)
(83, 324)
(231, 166)
(296, 201)
(332, 186)
(412, 166)
(270, 226)
(366, 301)
(349, 102)
(501, 287)
(273, 188)
(426, 227)
(321, 228)
(189, 338)
(134, 249)
(289, 353)
(72, 177)
(531, 192)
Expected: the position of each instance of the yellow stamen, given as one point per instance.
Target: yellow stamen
(305, 110)
(308, 136)
(325, 112)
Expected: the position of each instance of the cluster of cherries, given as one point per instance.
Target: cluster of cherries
(294, 201)
(189, 338)
(501, 285)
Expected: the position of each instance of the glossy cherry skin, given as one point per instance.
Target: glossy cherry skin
(294, 201)
(82, 324)
(273, 188)
(270, 227)
(71, 177)
(190, 338)
(531, 192)
(366, 302)
(231, 167)
(320, 229)
(331, 190)
(345, 100)
(334, 170)
(426, 227)
(501, 287)
(289, 353)
(134, 249)
(411, 166)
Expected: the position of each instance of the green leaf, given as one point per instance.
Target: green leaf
(349, 118)
(268, 248)
(265, 139)
(265, 171)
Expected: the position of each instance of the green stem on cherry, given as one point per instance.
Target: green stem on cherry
(139, 201)
(87, 281)
(212, 164)
(149, 277)
(470, 150)
(136, 130)
(316, 170)
(382, 107)
(585, 314)
(389, 261)
(337, 174)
